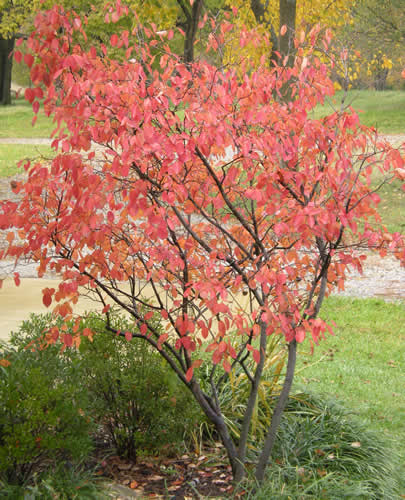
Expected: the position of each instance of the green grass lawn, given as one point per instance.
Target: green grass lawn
(15, 121)
(383, 110)
(392, 206)
(363, 365)
(11, 154)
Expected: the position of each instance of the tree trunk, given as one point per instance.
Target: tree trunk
(259, 11)
(380, 80)
(288, 12)
(247, 419)
(192, 26)
(215, 417)
(278, 412)
(6, 64)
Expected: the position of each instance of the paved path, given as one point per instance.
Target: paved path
(34, 141)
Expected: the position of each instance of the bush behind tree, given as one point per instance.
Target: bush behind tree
(44, 412)
(57, 401)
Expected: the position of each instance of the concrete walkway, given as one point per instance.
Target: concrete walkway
(34, 141)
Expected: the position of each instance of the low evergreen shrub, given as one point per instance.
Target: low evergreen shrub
(43, 411)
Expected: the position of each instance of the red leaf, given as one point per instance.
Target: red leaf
(17, 279)
(47, 294)
(114, 40)
(87, 332)
(29, 60)
(35, 106)
(67, 340)
(128, 336)
(18, 56)
(47, 299)
(300, 335)
(148, 316)
(256, 356)
(189, 374)
(29, 95)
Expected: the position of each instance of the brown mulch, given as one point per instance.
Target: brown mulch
(181, 478)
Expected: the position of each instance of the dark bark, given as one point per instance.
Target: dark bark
(6, 64)
(278, 411)
(380, 79)
(215, 416)
(259, 10)
(288, 11)
(247, 419)
(192, 19)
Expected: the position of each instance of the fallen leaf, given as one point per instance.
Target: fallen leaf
(356, 444)
(125, 466)
(218, 481)
(172, 488)
(177, 482)
(319, 452)
(133, 485)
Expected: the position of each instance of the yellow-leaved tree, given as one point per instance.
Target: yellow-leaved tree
(269, 16)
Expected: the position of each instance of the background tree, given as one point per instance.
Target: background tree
(13, 13)
(268, 16)
(378, 32)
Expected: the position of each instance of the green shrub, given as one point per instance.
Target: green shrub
(131, 393)
(60, 482)
(136, 397)
(43, 412)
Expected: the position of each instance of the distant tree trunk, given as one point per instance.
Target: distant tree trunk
(380, 79)
(288, 13)
(192, 19)
(259, 11)
(6, 64)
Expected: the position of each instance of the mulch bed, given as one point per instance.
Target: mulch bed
(185, 477)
